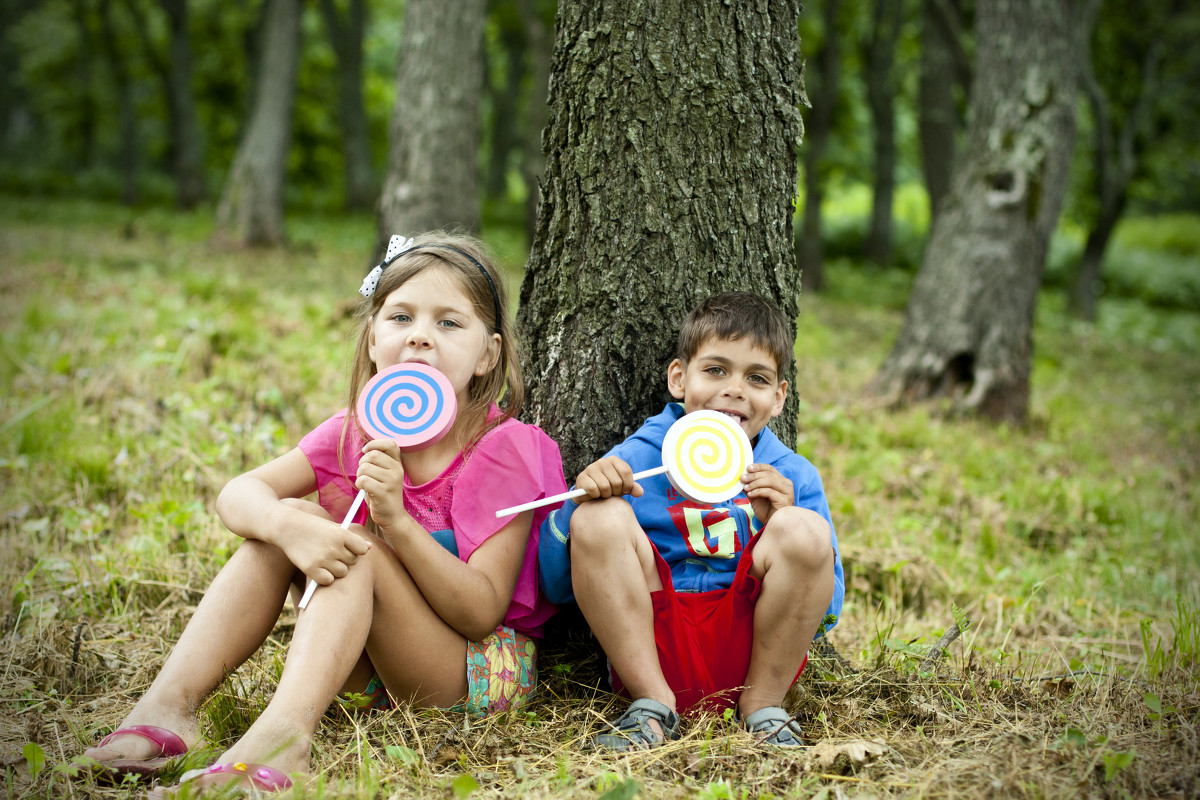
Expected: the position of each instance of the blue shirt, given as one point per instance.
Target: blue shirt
(701, 543)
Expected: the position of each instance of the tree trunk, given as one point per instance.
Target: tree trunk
(505, 99)
(968, 330)
(538, 21)
(346, 37)
(824, 91)
(1119, 134)
(881, 78)
(943, 64)
(87, 115)
(129, 153)
(251, 208)
(670, 167)
(186, 142)
(433, 172)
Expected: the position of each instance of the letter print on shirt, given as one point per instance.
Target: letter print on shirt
(710, 532)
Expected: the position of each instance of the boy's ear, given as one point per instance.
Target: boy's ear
(780, 397)
(675, 375)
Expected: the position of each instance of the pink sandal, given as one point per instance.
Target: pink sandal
(170, 746)
(262, 778)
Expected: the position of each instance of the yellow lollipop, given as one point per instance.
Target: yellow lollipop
(705, 455)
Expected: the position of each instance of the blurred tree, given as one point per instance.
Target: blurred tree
(505, 84)
(432, 178)
(882, 78)
(251, 207)
(175, 72)
(670, 166)
(130, 143)
(968, 330)
(823, 75)
(346, 36)
(537, 17)
(945, 75)
(1125, 72)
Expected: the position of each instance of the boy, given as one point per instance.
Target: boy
(698, 604)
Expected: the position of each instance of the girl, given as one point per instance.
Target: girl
(399, 614)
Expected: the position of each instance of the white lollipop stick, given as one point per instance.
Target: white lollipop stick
(312, 585)
(705, 454)
(413, 405)
(571, 495)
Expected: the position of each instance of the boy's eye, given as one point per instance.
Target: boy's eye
(717, 371)
(757, 379)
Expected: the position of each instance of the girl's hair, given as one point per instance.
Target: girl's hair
(439, 250)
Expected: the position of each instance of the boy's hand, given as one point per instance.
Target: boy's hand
(768, 490)
(608, 477)
(381, 476)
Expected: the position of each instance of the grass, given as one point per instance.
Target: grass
(141, 369)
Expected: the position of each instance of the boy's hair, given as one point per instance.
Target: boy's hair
(734, 315)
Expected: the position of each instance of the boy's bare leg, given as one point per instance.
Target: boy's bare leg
(794, 561)
(613, 574)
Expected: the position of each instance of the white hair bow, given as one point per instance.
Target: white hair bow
(396, 245)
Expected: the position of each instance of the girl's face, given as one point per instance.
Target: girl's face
(429, 319)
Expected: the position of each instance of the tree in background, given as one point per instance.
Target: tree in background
(1133, 58)
(670, 167)
(823, 76)
(346, 37)
(882, 79)
(945, 74)
(251, 208)
(432, 178)
(537, 17)
(967, 334)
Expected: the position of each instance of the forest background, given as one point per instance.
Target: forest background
(145, 363)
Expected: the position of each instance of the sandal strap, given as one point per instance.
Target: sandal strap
(632, 729)
(261, 777)
(169, 744)
(776, 726)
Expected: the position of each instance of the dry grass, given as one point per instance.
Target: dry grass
(147, 370)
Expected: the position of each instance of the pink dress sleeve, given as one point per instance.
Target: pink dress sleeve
(514, 463)
(335, 491)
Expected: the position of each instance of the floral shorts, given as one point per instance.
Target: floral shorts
(501, 674)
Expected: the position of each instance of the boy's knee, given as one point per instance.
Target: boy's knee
(599, 522)
(801, 536)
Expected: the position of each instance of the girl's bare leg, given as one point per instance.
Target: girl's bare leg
(234, 618)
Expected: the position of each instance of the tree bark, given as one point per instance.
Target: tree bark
(433, 172)
(968, 330)
(937, 113)
(670, 167)
(251, 208)
(881, 78)
(346, 37)
(824, 91)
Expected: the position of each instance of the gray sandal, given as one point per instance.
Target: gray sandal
(772, 725)
(632, 731)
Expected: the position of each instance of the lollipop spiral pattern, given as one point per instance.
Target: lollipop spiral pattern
(411, 403)
(706, 454)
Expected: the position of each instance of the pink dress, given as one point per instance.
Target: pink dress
(513, 463)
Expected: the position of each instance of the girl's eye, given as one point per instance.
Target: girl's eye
(398, 317)
(448, 323)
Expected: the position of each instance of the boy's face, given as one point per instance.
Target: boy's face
(738, 378)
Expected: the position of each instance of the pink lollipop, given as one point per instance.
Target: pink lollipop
(412, 404)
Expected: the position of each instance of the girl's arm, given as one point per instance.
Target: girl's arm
(473, 596)
(253, 506)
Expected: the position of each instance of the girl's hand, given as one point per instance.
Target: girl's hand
(608, 477)
(768, 491)
(381, 476)
(325, 551)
